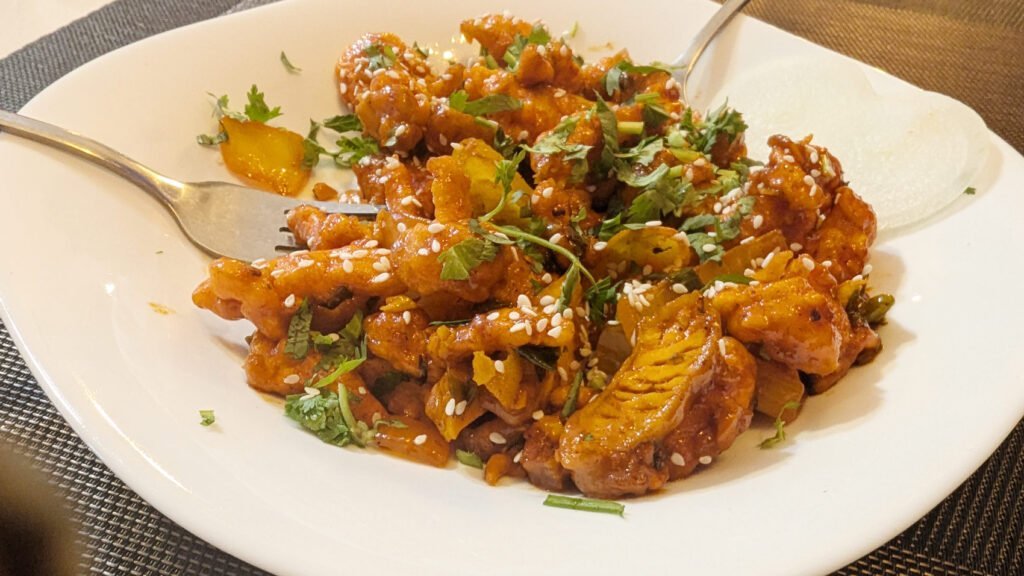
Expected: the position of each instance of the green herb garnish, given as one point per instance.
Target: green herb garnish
(970, 190)
(380, 56)
(780, 427)
(207, 417)
(297, 344)
(490, 104)
(573, 396)
(288, 65)
(469, 458)
(459, 260)
(585, 504)
(257, 109)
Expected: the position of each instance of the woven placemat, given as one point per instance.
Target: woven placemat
(969, 50)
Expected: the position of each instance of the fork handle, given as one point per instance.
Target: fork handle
(162, 187)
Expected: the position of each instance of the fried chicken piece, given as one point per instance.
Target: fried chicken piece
(793, 322)
(539, 457)
(720, 413)
(402, 343)
(610, 446)
(317, 230)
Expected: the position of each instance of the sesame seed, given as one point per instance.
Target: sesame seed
(517, 457)
(420, 440)
(708, 248)
(556, 320)
(721, 346)
(562, 373)
(868, 268)
(517, 327)
(305, 263)
(678, 459)
(289, 301)
(547, 300)
(547, 278)
(361, 390)
(449, 408)
(524, 135)
(555, 237)
(383, 277)
(402, 227)
(435, 227)
(347, 266)
(827, 263)
(796, 246)
(392, 162)
(555, 332)
(401, 129)
(423, 252)
(514, 315)
(568, 314)
(757, 221)
(813, 192)
(559, 93)
(679, 288)
(542, 324)
(808, 263)
(493, 316)
(407, 201)
(407, 317)
(705, 460)
(360, 254)
(857, 278)
(496, 438)
(788, 158)
(542, 50)
(499, 366)
(809, 180)
(435, 246)
(613, 322)
(768, 259)
(460, 408)
(444, 141)
(652, 223)
(524, 301)
(700, 162)
(342, 88)
(647, 269)
(381, 266)
(392, 74)
(564, 50)
(598, 246)
(528, 328)
(538, 414)
(291, 379)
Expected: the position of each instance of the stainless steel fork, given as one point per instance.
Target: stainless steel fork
(220, 218)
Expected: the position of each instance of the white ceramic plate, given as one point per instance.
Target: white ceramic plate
(85, 254)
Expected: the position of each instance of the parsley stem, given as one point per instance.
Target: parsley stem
(585, 504)
(632, 128)
(517, 233)
(346, 414)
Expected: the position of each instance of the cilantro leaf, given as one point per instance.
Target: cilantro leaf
(698, 222)
(557, 142)
(702, 136)
(212, 140)
(324, 415)
(207, 417)
(257, 109)
(459, 260)
(297, 343)
(780, 430)
(288, 65)
(706, 247)
(346, 123)
(666, 196)
(539, 35)
(613, 79)
(599, 296)
(352, 150)
(489, 104)
(970, 190)
(380, 56)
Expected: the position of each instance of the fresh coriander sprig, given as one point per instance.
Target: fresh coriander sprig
(208, 417)
(292, 68)
(513, 232)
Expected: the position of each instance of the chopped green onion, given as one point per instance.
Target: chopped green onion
(631, 128)
(585, 504)
(469, 459)
(207, 417)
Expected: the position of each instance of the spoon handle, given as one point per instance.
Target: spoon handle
(688, 59)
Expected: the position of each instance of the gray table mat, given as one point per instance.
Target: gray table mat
(969, 50)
